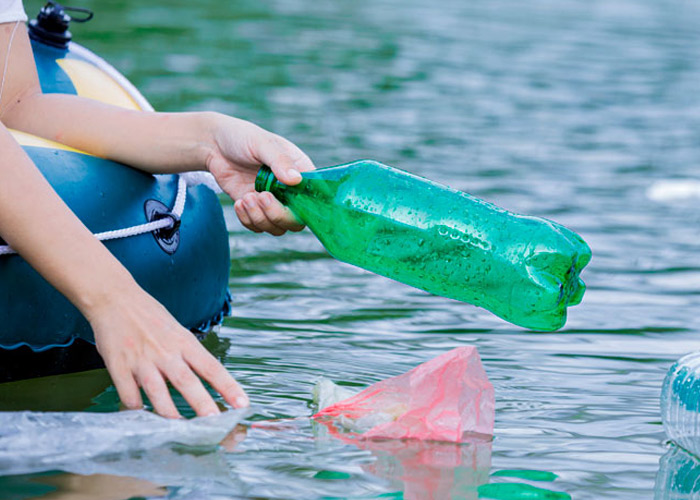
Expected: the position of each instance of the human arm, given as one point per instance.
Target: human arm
(141, 343)
(231, 149)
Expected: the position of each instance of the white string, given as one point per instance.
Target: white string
(180, 198)
(148, 227)
(178, 207)
(7, 60)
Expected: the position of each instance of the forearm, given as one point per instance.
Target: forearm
(37, 223)
(155, 142)
(141, 343)
(231, 149)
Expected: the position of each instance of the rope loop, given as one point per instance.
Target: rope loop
(169, 222)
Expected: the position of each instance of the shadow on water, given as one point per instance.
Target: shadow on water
(71, 392)
(82, 391)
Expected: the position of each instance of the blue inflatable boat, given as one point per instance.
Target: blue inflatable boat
(168, 230)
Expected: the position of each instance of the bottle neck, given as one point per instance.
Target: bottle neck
(264, 179)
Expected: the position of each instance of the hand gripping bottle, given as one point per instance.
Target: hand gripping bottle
(446, 242)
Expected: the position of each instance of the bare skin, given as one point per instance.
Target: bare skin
(142, 345)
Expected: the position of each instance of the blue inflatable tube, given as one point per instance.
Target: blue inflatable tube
(185, 267)
(191, 282)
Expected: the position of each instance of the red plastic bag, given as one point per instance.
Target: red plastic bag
(444, 399)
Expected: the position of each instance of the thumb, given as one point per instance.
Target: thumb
(284, 158)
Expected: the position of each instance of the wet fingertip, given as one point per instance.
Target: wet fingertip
(128, 407)
(242, 402)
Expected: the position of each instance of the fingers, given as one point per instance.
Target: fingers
(178, 371)
(253, 216)
(234, 438)
(220, 379)
(128, 390)
(143, 345)
(284, 158)
(262, 212)
(191, 388)
(157, 391)
(243, 216)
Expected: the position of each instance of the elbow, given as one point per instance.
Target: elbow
(15, 109)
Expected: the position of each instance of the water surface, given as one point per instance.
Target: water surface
(570, 109)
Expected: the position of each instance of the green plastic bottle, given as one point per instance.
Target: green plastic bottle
(446, 242)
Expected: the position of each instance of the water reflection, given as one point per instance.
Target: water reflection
(519, 491)
(678, 477)
(431, 471)
(423, 470)
(94, 487)
(428, 470)
(173, 471)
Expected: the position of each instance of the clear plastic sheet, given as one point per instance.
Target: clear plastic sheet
(35, 441)
(444, 399)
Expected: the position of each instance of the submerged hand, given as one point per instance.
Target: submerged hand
(144, 346)
(240, 149)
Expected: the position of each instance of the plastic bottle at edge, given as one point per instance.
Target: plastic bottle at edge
(446, 242)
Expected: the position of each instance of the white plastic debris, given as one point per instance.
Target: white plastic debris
(326, 393)
(34, 441)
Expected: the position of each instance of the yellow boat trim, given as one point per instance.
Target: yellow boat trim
(91, 82)
(25, 139)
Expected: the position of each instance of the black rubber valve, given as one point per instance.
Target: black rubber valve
(51, 24)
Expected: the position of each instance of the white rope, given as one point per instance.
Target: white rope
(7, 60)
(148, 227)
(180, 198)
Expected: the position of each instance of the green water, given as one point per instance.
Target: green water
(572, 110)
